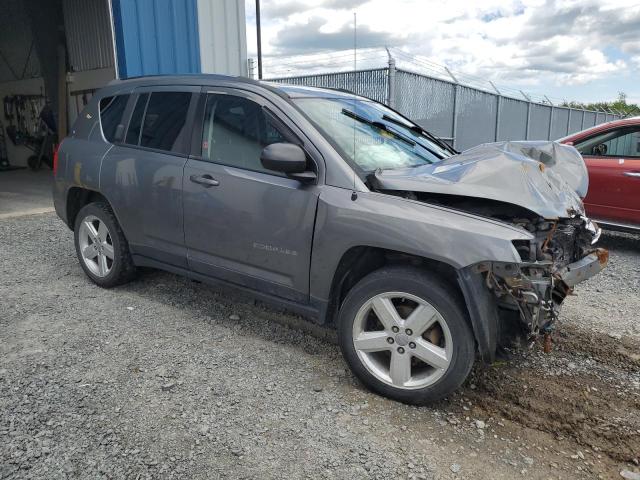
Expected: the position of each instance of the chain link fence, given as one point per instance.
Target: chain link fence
(462, 115)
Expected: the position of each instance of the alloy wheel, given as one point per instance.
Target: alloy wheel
(96, 246)
(402, 340)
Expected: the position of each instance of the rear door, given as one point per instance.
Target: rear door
(243, 223)
(142, 174)
(613, 161)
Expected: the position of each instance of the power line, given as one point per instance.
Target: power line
(324, 54)
(325, 62)
(294, 63)
(344, 63)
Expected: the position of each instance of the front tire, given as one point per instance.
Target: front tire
(101, 246)
(404, 333)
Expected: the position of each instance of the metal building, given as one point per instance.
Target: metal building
(61, 51)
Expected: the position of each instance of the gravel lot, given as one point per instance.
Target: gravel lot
(168, 378)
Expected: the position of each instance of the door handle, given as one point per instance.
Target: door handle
(206, 180)
(632, 174)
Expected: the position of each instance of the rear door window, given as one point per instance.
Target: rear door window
(622, 142)
(163, 127)
(111, 111)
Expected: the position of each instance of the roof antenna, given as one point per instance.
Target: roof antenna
(354, 194)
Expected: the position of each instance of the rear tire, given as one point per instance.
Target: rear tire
(405, 334)
(101, 246)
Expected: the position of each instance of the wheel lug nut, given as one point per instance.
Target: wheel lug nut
(389, 340)
(408, 331)
(400, 350)
(412, 345)
(395, 329)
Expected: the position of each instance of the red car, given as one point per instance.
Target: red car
(612, 154)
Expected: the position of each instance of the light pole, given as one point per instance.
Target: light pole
(259, 40)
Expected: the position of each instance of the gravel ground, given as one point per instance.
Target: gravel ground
(168, 378)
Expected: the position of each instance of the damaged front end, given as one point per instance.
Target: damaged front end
(534, 186)
(562, 254)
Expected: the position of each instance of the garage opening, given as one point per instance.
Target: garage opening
(53, 55)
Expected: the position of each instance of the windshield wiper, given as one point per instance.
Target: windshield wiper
(419, 130)
(379, 126)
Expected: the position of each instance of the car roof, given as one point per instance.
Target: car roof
(288, 90)
(303, 91)
(624, 122)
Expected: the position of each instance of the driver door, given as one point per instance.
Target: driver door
(613, 162)
(243, 223)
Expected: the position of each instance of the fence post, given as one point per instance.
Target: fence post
(498, 107)
(454, 127)
(391, 80)
(582, 123)
(569, 121)
(250, 67)
(550, 117)
(526, 132)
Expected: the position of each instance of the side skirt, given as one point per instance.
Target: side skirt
(314, 313)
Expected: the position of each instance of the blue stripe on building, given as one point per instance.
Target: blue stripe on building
(156, 37)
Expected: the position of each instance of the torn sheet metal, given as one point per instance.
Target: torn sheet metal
(547, 178)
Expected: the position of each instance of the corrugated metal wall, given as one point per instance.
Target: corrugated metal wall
(223, 36)
(16, 43)
(156, 37)
(88, 30)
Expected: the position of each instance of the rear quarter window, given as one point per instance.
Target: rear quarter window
(111, 111)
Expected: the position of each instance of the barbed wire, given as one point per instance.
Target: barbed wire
(377, 57)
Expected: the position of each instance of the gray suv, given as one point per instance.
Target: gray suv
(336, 207)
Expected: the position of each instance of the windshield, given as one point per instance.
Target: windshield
(371, 136)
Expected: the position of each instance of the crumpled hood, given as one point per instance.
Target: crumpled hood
(547, 178)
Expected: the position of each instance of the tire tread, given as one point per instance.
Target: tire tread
(449, 302)
(125, 268)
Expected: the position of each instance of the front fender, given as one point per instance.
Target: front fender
(456, 238)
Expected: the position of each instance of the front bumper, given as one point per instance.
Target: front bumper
(584, 268)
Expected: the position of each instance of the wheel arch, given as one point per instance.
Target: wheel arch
(359, 261)
(78, 197)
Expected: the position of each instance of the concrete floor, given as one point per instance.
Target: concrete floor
(24, 192)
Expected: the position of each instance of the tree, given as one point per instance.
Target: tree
(619, 105)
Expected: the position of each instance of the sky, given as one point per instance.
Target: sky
(583, 50)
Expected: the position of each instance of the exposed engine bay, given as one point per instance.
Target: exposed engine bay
(538, 286)
(534, 186)
(561, 254)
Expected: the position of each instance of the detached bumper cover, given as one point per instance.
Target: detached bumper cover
(584, 268)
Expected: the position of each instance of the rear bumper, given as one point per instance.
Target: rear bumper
(584, 268)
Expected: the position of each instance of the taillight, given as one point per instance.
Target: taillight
(55, 158)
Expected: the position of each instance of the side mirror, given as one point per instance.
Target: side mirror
(287, 158)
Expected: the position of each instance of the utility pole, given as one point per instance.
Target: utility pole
(259, 35)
